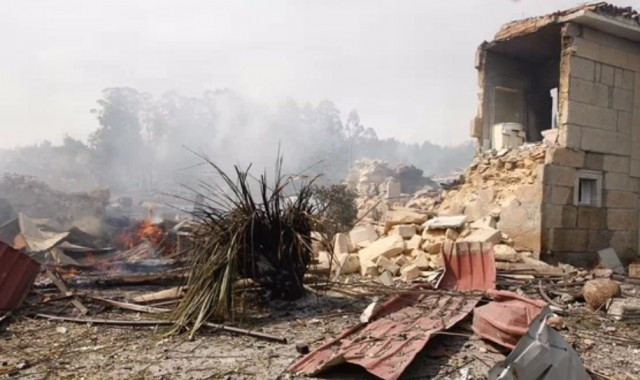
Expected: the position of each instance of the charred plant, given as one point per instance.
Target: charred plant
(260, 231)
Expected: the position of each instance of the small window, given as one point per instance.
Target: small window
(588, 189)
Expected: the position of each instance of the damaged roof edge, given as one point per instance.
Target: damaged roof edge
(619, 21)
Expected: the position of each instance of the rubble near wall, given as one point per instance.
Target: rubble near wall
(505, 186)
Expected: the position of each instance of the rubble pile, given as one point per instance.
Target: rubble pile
(33, 197)
(493, 181)
(377, 184)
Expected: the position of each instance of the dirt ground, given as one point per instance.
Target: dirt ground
(33, 348)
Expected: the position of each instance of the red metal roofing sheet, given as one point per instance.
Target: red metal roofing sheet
(399, 331)
(468, 266)
(506, 319)
(17, 273)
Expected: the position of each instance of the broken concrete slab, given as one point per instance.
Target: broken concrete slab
(485, 235)
(389, 247)
(386, 278)
(410, 272)
(422, 261)
(403, 216)
(347, 263)
(503, 252)
(609, 259)
(444, 222)
(362, 236)
(413, 243)
(384, 264)
(405, 230)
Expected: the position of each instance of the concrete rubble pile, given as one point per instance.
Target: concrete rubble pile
(405, 240)
(378, 185)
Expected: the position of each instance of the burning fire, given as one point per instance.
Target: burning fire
(142, 230)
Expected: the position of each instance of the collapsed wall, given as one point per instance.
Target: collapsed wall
(505, 186)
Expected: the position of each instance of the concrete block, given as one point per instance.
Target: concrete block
(624, 242)
(410, 272)
(414, 243)
(607, 75)
(384, 264)
(622, 219)
(634, 63)
(609, 259)
(581, 90)
(620, 199)
(582, 64)
(622, 100)
(389, 246)
(593, 218)
(552, 215)
(569, 136)
(624, 79)
(565, 157)
(618, 164)
(405, 230)
(625, 120)
(634, 170)
(503, 252)
(422, 261)
(341, 244)
(432, 248)
(394, 189)
(568, 240)
(386, 279)
(600, 95)
(614, 57)
(569, 216)
(403, 215)
(593, 116)
(601, 141)
(598, 239)
(620, 181)
(594, 161)
(485, 235)
(561, 195)
(363, 235)
(401, 260)
(558, 175)
(451, 234)
(347, 263)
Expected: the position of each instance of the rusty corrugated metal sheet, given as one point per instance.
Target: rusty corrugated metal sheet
(399, 331)
(17, 273)
(506, 319)
(468, 266)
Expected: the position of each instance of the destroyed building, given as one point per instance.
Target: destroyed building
(572, 79)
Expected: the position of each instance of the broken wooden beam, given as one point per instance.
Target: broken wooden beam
(160, 322)
(62, 287)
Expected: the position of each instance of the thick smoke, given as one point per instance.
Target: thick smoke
(143, 143)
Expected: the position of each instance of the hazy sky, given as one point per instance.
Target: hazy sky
(406, 66)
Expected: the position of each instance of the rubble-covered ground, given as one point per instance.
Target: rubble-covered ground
(34, 348)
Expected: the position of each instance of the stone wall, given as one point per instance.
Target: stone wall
(599, 130)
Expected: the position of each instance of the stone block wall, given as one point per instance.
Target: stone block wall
(599, 130)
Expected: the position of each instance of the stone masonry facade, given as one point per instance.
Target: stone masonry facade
(598, 133)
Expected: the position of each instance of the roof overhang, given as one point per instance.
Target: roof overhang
(621, 28)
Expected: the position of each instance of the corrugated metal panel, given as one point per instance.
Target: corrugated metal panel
(506, 319)
(17, 273)
(468, 266)
(399, 331)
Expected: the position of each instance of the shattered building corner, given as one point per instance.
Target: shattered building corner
(572, 80)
